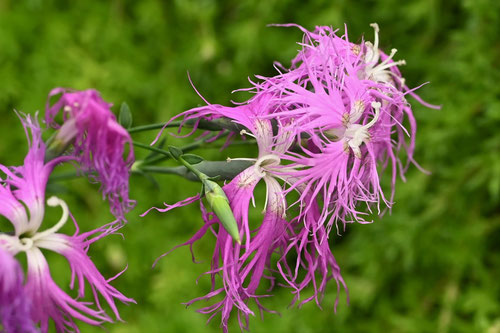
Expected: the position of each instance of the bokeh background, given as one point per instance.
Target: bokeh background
(432, 265)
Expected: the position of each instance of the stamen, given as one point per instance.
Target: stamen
(376, 106)
(393, 52)
(357, 134)
(392, 64)
(245, 132)
(372, 54)
(54, 202)
(376, 30)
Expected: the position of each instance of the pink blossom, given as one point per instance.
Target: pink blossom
(22, 198)
(323, 127)
(99, 142)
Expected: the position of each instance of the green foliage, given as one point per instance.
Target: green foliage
(430, 265)
(125, 116)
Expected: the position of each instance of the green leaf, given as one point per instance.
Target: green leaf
(175, 152)
(125, 116)
(192, 158)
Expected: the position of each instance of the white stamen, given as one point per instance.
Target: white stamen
(393, 52)
(376, 30)
(67, 108)
(54, 202)
(372, 53)
(245, 132)
(380, 68)
(376, 106)
(357, 134)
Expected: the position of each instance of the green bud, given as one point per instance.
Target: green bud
(125, 116)
(55, 148)
(220, 205)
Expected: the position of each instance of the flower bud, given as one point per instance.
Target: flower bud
(219, 202)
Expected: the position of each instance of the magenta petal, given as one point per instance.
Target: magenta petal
(74, 249)
(50, 302)
(100, 143)
(15, 307)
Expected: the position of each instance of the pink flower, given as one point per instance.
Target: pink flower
(350, 101)
(99, 142)
(244, 267)
(22, 202)
(322, 128)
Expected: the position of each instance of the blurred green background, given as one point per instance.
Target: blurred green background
(432, 265)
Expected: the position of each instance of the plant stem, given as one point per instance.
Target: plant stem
(148, 147)
(222, 169)
(153, 127)
(186, 148)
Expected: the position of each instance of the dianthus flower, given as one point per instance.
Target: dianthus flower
(99, 142)
(22, 202)
(243, 267)
(350, 102)
(322, 127)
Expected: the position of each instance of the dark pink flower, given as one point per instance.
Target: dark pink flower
(322, 127)
(99, 142)
(244, 267)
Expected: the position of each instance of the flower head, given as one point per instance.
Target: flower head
(99, 142)
(322, 128)
(243, 267)
(22, 198)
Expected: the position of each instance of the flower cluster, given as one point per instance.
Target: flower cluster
(322, 127)
(28, 302)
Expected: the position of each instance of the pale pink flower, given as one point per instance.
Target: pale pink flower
(22, 202)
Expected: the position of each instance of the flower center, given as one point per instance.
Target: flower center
(263, 163)
(23, 243)
(356, 134)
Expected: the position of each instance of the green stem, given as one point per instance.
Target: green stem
(156, 150)
(186, 148)
(153, 127)
(222, 169)
(201, 176)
